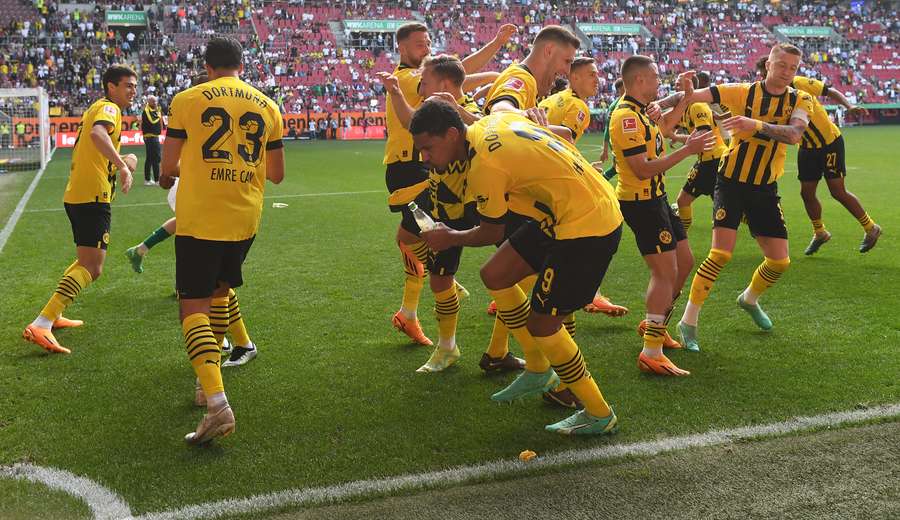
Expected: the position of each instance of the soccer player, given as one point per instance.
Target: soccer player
(822, 154)
(403, 167)
(89, 192)
(638, 143)
(774, 116)
(611, 172)
(575, 230)
(223, 142)
(701, 180)
(442, 77)
(568, 109)
(152, 125)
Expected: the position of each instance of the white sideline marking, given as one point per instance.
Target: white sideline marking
(139, 204)
(104, 503)
(460, 475)
(20, 207)
(107, 505)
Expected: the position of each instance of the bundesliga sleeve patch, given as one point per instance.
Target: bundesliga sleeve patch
(111, 110)
(580, 116)
(514, 84)
(629, 125)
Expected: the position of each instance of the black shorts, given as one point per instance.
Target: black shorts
(446, 262)
(512, 222)
(401, 175)
(701, 179)
(201, 264)
(760, 203)
(656, 227)
(813, 163)
(569, 271)
(91, 222)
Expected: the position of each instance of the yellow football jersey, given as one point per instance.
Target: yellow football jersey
(92, 177)
(821, 130)
(631, 132)
(228, 126)
(399, 145)
(755, 158)
(448, 189)
(567, 109)
(517, 165)
(699, 116)
(515, 84)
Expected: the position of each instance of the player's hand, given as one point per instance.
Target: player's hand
(685, 82)
(857, 110)
(505, 32)
(166, 181)
(129, 163)
(439, 238)
(537, 115)
(654, 112)
(389, 81)
(443, 96)
(701, 141)
(604, 155)
(740, 124)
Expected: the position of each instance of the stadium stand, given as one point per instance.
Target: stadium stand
(308, 59)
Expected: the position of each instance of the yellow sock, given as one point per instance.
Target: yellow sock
(707, 274)
(569, 365)
(569, 324)
(499, 345)
(218, 317)
(236, 326)
(654, 335)
(446, 307)
(818, 226)
(415, 274)
(75, 279)
(203, 351)
(768, 272)
(866, 222)
(686, 214)
(513, 307)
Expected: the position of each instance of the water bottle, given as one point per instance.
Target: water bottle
(425, 222)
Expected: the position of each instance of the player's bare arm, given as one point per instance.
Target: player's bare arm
(103, 142)
(479, 79)
(477, 60)
(645, 168)
(170, 157)
(790, 133)
(484, 234)
(401, 107)
(275, 165)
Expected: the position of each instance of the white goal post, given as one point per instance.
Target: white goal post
(24, 129)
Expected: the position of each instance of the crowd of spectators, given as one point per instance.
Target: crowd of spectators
(300, 53)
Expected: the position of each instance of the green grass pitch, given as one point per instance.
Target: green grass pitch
(333, 396)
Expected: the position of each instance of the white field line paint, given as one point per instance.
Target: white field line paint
(140, 204)
(463, 474)
(103, 503)
(20, 207)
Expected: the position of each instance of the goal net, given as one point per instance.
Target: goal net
(24, 129)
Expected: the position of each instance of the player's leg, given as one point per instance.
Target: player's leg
(442, 269)
(572, 273)
(767, 224)
(810, 167)
(835, 172)
(686, 197)
(243, 349)
(663, 275)
(728, 210)
(137, 253)
(90, 229)
(513, 262)
(200, 266)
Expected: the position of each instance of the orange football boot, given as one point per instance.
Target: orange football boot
(662, 366)
(44, 339)
(602, 304)
(492, 308)
(411, 328)
(64, 323)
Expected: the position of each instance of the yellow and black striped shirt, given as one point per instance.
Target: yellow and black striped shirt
(821, 130)
(448, 189)
(631, 132)
(752, 157)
